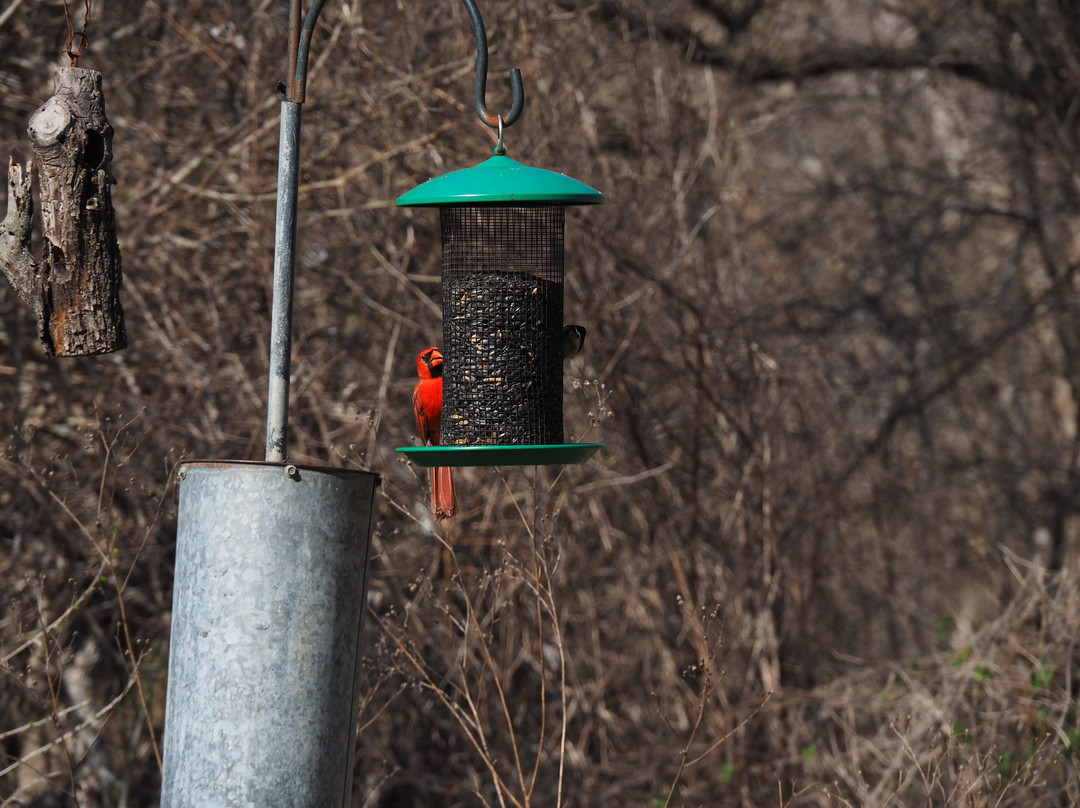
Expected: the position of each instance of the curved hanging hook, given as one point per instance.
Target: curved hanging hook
(493, 120)
(299, 46)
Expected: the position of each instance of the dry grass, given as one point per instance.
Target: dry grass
(828, 554)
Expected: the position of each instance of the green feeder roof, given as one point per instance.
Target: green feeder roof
(501, 180)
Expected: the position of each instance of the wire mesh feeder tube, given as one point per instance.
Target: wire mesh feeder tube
(502, 323)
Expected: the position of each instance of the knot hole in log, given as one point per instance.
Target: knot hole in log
(94, 152)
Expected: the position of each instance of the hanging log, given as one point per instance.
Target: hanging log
(75, 287)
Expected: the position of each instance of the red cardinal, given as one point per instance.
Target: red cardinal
(427, 401)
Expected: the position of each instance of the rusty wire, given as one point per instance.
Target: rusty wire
(84, 42)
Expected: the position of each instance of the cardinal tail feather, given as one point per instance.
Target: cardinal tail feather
(443, 501)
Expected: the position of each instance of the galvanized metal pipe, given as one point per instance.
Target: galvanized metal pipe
(269, 592)
(277, 409)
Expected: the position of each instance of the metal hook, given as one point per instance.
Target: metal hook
(494, 121)
(299, 46)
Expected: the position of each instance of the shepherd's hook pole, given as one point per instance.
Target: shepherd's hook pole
(277, 407)
(277, 410)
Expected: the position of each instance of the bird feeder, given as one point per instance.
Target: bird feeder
(503, 227)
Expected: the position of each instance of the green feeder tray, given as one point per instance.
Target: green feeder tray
(500, 180)
(561, 454)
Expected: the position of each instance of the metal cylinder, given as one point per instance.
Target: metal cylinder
(271, 573)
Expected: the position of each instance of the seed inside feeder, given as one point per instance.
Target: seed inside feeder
(514, 320)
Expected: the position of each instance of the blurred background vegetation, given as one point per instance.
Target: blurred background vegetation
(829, 553)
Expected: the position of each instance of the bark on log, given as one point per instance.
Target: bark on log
(16, 231)
(75, 287)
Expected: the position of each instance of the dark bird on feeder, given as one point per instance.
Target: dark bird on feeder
(573, 340)
(427, 402)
